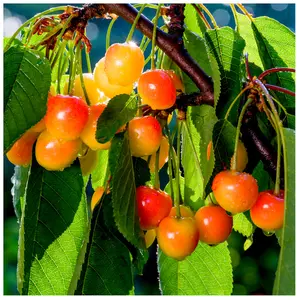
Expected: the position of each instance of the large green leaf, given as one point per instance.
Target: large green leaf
(190, 159)
(52, 230)
(124, 190)
(207, 271)
(98, 175)
(285, 274)
(107, 266)
(19, 181)
(27, 78)
(119, 110)
(276, 46)
(227, 47)
(193, 21)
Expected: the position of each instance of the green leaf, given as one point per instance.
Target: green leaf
(190, 159)
(124, 190)
(15, 42)
(276, 46)
(285, 275)
(198, 50)
(107, 266)
(53, 226)
(262, 176)
(27, 79)
(98, 175)
(193, 21)
(119, 110)
(141, 171)
(227, 47)
(203, 118)
(291, 121)
(207, 271)
(243, 224)
(19, 181)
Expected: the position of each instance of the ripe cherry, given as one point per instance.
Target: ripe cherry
(150, 236)
(96, 196)
(21, 151)
(55, 154)
(124, 63)
(176, 80)
(39, 127)
(235, 192)
(152, 205)
(88, 135)
(157, 89)
(163, 155)
(177, 237)
(145, 135)
(110, 90)
(242, 157)
(184, 212)
(214, 224)
(66, 116)
(268, 211)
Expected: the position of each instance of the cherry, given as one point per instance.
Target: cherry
(184, 212)
(145, 135)
(124, 63)
(177, 237)
(96, 196)
(242, 157)
(163, 155)
(152, 206)
(150, 236)
(268, 211)
(21, 151)
(88, 162)
(39, 127)
(66, 116)
(55, 154)
(110, 90)
(235, 192)
(88, 135)
(157, 89)
(176, 80)
(214, 224)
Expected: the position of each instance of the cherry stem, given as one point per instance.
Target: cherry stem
(156, 180)
(81, 77)
(234, 163)
(201, 15)
(60, 67)
(170, 169)
(234, 12)
(280, 89)
(87, 57)
(154, 36)
(245, 11)
(177, 196)
(210, 16)
(274, 70)
(108, 33)
(130, 34)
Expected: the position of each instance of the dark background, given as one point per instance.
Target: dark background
(254, 269)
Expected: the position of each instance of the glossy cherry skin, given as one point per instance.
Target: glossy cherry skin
(110, 90)
(96, 196)
(242, 157)
(150, 237)
(235, 192)
(268, 211)
(184, 212)
(157, 89)
(176, 80)
(88, 135)
(55, 154)
(66, 116)
(21, 152)
(124, 63)
(163, 155)
(152, 205)
(177, 237)
(145, 136)
(214, 224)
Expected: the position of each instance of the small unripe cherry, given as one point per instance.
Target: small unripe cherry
(21, 152)
(185, 212)
(242, 157)
(214, 224)
(145, 136)
(268, 211)
(163, 155)
(88, 162)
(157, 89)
(55, 154)
(96, 196)
(88, 135)
(150, 236)
(110, 90)
(177, 237)
(152, 205)
(124, 63)
(235, 192)
(66, 116)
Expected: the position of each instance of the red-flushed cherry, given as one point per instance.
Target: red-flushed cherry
(55, 154)
(157, 89)
(124, 63)
(152, 205)
(21, 152)
(66, 116)
(268, 211)
(214, 224)
(145, 136)
(235, 192)
(185, 211)
(177, 237)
